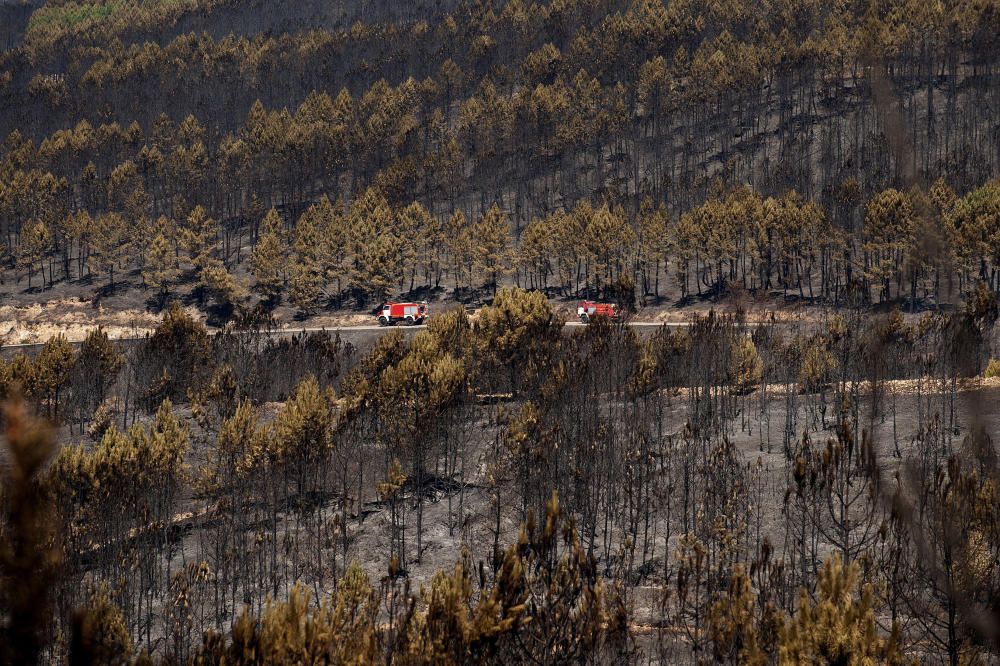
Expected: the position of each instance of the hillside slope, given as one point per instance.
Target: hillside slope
(678, 148)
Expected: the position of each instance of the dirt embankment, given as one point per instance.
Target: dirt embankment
(74, 318)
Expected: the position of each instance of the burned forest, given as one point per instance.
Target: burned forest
(499, 332)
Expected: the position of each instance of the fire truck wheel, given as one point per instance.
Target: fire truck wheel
(584, 318)
(409, 321)
(382, 321)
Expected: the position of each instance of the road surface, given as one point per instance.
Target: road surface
(359, 333)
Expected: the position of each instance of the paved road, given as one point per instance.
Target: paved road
(363, 331)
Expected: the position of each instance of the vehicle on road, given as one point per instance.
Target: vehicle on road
(587, 310)
(408, 314)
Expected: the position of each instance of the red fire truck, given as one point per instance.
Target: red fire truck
(587, 310)
(407, 313)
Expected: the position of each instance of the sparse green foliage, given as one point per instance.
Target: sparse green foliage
(160, 269)
(341, 631)
(567, 608)
(109, 245)
(461, 247)
(122, 470)
(732, 624)
(304, 428)
(98, 363)
(177, 354)
(818, 366)
(220, 284)
(518, 333)
(53, 366)
(839, 626)
(100, 635)
(269, 258)
(36, 241)
(198, 236)
(747, 366)
(306, 287)
(491, 239)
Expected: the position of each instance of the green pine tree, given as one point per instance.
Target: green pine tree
(269, 257)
